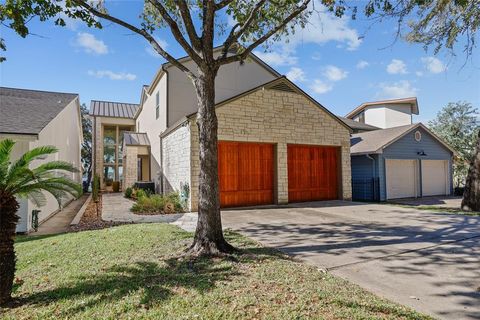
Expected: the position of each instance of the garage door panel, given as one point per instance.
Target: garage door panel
(401, 178)
(312, 173)
(245, 173)
(434, 177)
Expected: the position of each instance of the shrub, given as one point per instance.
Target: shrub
(157, 203)
(128, 193)
(95, 187)
(141, 194)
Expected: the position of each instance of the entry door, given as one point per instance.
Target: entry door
(312, 173)
(246, 173)
(435, 177)
(401, 178)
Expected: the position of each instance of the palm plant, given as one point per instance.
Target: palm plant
(18, 179)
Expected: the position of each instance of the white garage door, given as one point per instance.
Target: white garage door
(434, 177)
(401, 178)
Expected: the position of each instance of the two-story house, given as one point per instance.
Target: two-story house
(276, 143)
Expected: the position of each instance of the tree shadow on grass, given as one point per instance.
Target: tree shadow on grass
(154, 282)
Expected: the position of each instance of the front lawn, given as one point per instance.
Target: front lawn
(134, 271)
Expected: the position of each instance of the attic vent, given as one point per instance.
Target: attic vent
(282, 87)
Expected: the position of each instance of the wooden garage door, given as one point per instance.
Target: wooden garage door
(312, 173)
(246, 173)
(401, 178)
(434, 177)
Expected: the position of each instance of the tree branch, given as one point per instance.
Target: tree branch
(142, 32)
(189, 26)
(235, 35)
(176, 31)
(222, 4)
(242, 56)
(208, 31)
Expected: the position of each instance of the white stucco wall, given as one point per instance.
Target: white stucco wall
(65, 133)
(388, 116)
(232, 79)
(148, 123)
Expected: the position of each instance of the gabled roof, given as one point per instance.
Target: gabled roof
(113, 109)
(281, 84)
(412, 101)
(375, 141)
(135, 139)
(25, 111)
(358, 126)
(184, 59)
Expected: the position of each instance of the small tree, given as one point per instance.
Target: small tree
(455, 124)
(17, 179)
(86, 146)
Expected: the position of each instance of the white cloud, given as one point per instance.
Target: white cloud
(323, 27)
(399, 89)
(362, 64)
(149, 49)
(434, 65)
(90, 44)
(296, 74)
(397, 66)
(112, 75)
(333, 73)
(282, 58)
(321, 87)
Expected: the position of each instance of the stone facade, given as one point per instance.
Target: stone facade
(130, 155)
(281, 118)
(176, 159)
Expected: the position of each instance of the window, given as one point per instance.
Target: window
(157, 105)
(418, 136)
(113, 153)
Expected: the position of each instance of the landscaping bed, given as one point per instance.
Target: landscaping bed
(154, 204)
(138, 272)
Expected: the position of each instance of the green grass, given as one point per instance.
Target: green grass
(137, 271)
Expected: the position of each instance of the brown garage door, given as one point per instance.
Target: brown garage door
(246, 173)
(312, 173)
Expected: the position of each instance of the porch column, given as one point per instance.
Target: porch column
(130, 166)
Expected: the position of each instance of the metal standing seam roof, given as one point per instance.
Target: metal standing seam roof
(113, 109)
(135, 139)
(24, 111)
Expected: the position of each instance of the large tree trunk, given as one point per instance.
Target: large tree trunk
(8, 223)
(471, 195)
(209, 238)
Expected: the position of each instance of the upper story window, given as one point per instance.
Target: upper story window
(157, 105)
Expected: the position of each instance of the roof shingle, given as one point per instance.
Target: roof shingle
(24, 111)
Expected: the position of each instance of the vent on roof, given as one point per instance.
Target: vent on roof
(282, 87)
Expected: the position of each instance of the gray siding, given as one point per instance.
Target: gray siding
(363, 172)
(407, 148)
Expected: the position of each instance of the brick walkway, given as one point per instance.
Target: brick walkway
(60, 222)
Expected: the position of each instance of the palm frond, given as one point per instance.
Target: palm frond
(25, 160)
(55, 165)
(37, 197)
(6, 147)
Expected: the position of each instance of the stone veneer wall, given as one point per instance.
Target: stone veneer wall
(130, 166)
(176, 159)
(276, 117)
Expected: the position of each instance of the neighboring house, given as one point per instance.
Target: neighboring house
(39, 118)
(403, 160)
(276, 143)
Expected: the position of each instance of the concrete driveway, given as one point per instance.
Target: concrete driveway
(428, 261)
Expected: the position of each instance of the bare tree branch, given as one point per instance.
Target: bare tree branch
(242, 56)
(142, 32)
(189, 26)
(176, 31)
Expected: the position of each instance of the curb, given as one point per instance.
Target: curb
(80, 212)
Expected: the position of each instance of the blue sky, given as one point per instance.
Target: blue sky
(328, 60)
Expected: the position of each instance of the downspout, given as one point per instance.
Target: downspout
(161, 164)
